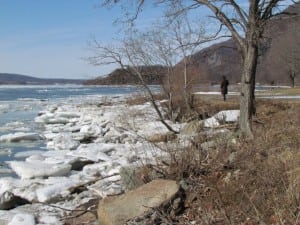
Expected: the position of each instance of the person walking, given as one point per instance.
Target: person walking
(224, 87)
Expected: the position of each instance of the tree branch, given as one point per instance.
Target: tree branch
(221, 16)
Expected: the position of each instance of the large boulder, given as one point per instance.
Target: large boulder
(116, 210)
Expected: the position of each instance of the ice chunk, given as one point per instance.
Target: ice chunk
(38, 169)
(64, 141)
(4, 170)
(5, 151)
(50, 118)
(28, 153)
(211, 122)
(67, 114)
(91, 130)
(22, 219)
(222, 116)
(4, 108)
(107, 186)
(61, 188)
(47, 219)
(17, 126)
(96, 169)
(20, 136)
(228, 115)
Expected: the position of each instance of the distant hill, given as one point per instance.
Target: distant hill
(151, 75)
(211, 63)
(282, 35)
(17, 79)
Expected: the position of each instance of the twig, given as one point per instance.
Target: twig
(69, 210)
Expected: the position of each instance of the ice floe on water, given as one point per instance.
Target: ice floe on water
(5, 151)
(25, 154)
(15, 126)
(39, 169)
(88, 143)
(20, 136)
(4, 108)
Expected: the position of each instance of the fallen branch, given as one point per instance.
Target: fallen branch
(84, 185)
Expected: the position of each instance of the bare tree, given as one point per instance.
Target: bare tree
(187, 37)
(132, 55)
(184, 36)
(158, 45)
(245, 22)
(162, 51)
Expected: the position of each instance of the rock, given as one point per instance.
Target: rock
(134, 177)
(192, 127)
(131, 177)
(8, 201)
(119, 209)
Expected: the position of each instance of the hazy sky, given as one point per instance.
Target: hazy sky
(48, 38)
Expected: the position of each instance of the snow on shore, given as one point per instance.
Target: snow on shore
(87, 144)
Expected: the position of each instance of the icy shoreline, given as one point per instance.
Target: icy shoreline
(88, 143)
(85, 142)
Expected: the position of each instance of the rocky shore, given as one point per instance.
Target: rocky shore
(87, 146)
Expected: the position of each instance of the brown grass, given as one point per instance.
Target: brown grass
(251, 182)
(281, 91)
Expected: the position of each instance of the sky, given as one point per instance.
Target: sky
(49, 38)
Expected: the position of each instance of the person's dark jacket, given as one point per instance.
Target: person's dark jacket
(224, 86)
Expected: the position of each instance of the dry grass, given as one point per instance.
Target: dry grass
(252, 182)
(281, 91)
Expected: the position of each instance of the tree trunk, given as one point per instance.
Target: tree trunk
(247, 106)
(186, 94)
